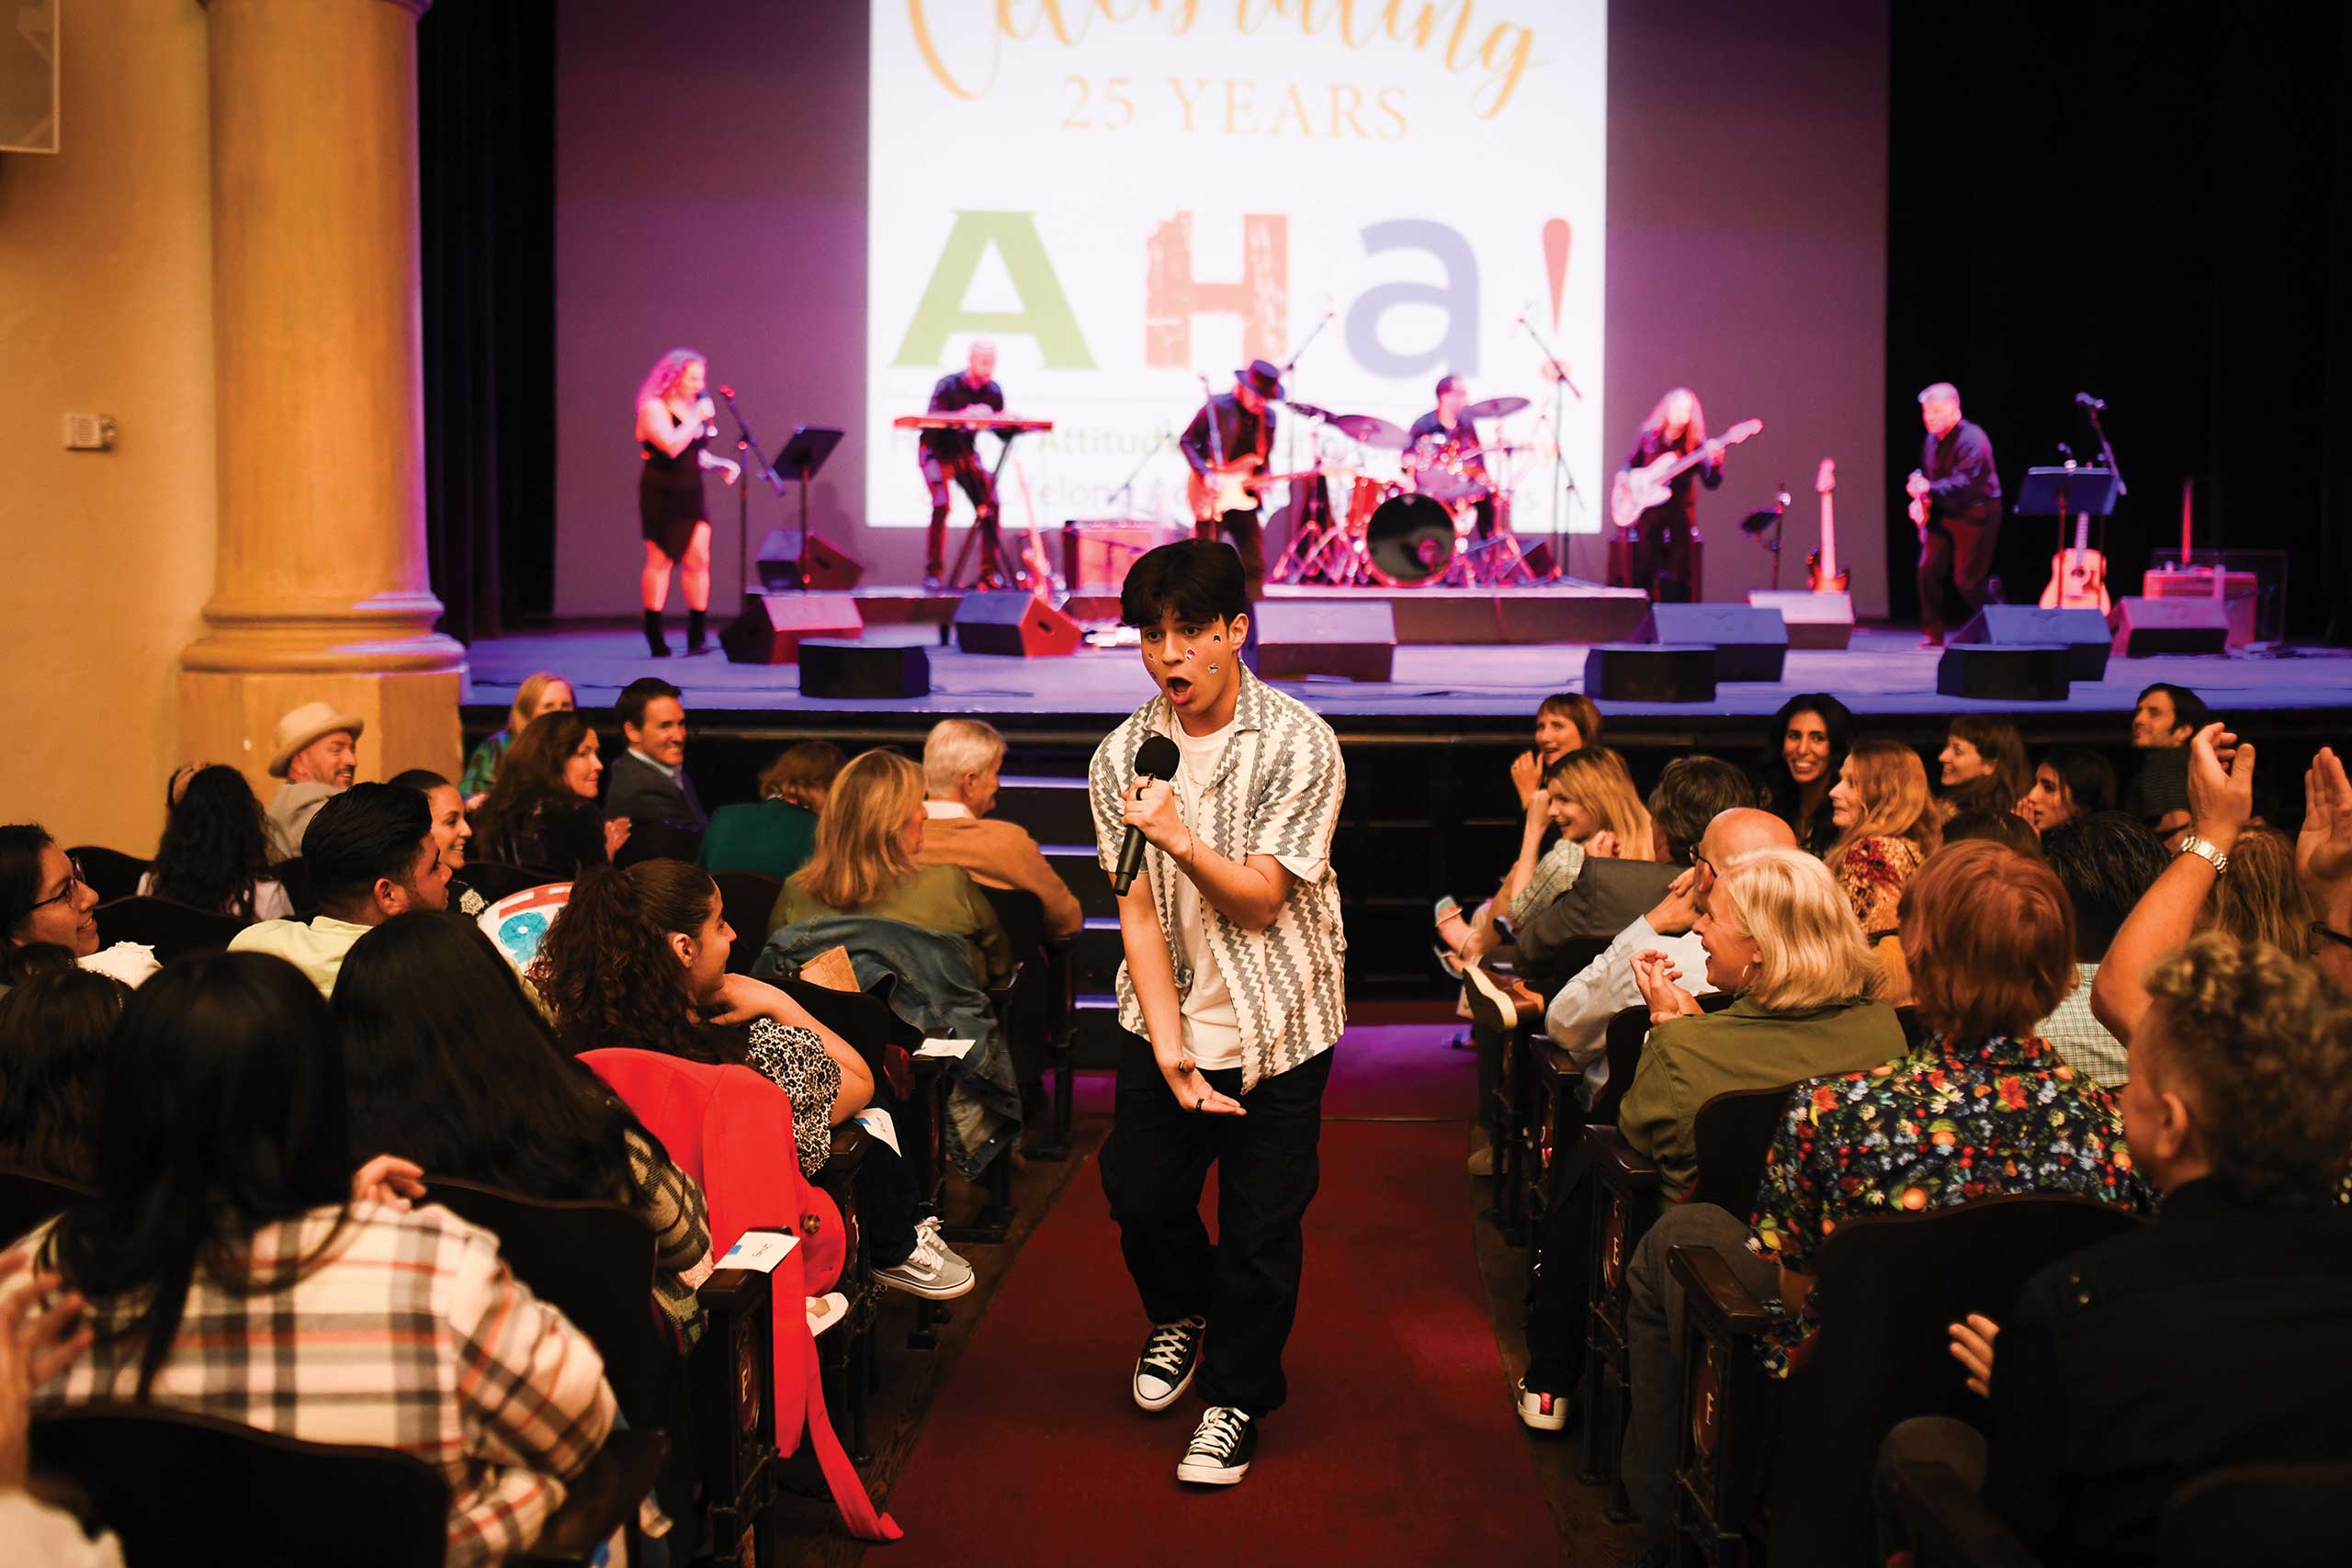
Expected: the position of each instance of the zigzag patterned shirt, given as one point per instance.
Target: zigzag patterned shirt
(1277, 792)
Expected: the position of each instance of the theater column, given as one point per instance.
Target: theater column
(321, 590)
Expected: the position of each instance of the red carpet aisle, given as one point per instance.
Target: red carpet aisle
(1397, 1445)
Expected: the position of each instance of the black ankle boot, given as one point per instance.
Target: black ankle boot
(653, 642)
(695, 622)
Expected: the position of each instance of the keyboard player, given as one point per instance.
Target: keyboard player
(953, 455)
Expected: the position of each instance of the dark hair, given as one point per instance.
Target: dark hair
(1195, 580)
(1692, 793)
(2089, 778)
(637, 695)
(2188, 707)
(20, 848)
(1993, 825)
(608, 973)
(1998, 743)
(369, 832)
(221, 1111)
(531, 772)
(424, 781)
(1776, 787)
(448, 1063)
(53, 1029)
(21, 961)
(2106, 862)
(214, 847)
(1445, 381)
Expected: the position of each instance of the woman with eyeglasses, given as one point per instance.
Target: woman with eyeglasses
(44, 901)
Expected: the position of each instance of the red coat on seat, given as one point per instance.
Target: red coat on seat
(731, 1129)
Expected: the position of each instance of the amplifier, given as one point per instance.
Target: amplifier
(1096, 552)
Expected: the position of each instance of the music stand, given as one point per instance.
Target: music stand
(2066, 493)
(801, 457)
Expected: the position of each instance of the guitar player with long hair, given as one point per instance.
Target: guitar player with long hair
(1658, 552)
(1956, 502)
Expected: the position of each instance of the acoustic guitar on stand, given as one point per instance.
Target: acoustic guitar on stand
(2078, 576)
(1637, 490)
(1822, 573)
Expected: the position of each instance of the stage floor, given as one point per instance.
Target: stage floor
(1462, 687)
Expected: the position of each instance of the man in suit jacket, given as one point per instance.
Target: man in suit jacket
(648, 783)
(961, 761)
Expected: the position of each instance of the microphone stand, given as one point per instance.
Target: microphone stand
(756, 466)
(1314, 513)
(1564, 478)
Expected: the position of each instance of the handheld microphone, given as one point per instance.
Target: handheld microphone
(1156, 758)
(2097, 405)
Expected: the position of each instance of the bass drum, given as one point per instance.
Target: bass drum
(1410, 541)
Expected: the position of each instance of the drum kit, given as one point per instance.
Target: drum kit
(1415, 526)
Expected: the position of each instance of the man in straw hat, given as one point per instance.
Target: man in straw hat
(318, 755)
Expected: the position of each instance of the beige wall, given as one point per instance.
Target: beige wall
(106, 306)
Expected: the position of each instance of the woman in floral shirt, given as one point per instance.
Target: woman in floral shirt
(1886, 828)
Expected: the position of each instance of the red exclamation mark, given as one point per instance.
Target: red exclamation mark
(1555, 262)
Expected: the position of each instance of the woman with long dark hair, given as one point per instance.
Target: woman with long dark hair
(1802, 755)
(449, 1062)
(637, 961)
(53, 1029)
(229, 1233)
(215, 851)
(541, 815)
(1984, 764)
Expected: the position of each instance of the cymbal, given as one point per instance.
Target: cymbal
(1495, 408)
(1306, 410)
(1370, 429)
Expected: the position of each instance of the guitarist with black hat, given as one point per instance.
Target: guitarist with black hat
(1226, 445)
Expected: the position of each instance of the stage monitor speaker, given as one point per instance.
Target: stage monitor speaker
(2145, 627)
(1813, 620)
(829, 568)
(2008, 672)
(2084, 632)
(1021, 625)
(1650, 672)
(830, 667)
(772, 625)
(1749, 644)
(1292, 638)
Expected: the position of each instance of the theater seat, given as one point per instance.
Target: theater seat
(173, 930)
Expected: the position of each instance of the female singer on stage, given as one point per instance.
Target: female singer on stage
(1660, 554)
(674, 420)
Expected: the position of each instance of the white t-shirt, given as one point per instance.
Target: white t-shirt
(1212, 1026)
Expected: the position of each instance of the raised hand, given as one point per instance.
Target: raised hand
(1526, 772)
(615, 835)
(1971, 1347)
(2221, 786)
(1602, 844)
(1679, 910)
(389, 1179)
(2323, 849)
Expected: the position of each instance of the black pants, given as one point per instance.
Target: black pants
(1249, 543)
(1955, 556)
(1660, 557)
(1246, 1282)
(966, 469)
(888, 1202)
(1559, 1292)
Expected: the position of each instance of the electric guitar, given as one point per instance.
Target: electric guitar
(1822, 574)
(2078, 576)
(1233, 487)
(1637, 490)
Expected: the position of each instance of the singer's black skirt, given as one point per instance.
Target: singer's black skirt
(669, 502)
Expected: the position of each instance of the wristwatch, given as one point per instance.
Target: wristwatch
(2205, 850)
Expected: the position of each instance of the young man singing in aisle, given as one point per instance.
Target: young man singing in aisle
(1231, 995)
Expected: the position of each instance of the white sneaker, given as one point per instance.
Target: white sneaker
(932, 1270)
(826, 1311)
(1542, 1412)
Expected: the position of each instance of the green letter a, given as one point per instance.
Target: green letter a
(1045, 313)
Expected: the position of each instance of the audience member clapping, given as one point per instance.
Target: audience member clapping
(371, 854)
(53, 1029)
(1803, 754)
(541, 691)
(2106, 863)
(2323, 861)
(449, 1062)
(2069, 782)
(451, 831)
(215, 851)
(1984, 764)
(542, 816)
(45, 901)
(776, 834)
(962, 762)
(41, 1334)
(229, 1233)
(1565, 722)
(317, 755)
(1589, 804)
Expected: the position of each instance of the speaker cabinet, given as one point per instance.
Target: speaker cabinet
(831, 666)
(1812, 620)
(1292, 638)
(772, 625)
(1020, 624)
(1650, 672)
(2009, 672)
(2083, 633)
(831, 568)
(1750, 643)
(2145, 627)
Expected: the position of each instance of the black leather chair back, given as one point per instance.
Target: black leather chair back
(173, 930)
(747, 898)
(294, 875)
(2256, 1513)
(494, 880)
(112, 874)
(1731, 1134)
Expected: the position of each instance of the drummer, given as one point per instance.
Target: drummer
(1441, 457)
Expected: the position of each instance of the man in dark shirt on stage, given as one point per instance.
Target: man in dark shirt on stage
(952, 454)
(1442, 441)
(1957, 485)
(1242, 439)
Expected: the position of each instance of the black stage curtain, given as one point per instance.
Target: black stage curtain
(2144, 203)
(486, 134)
